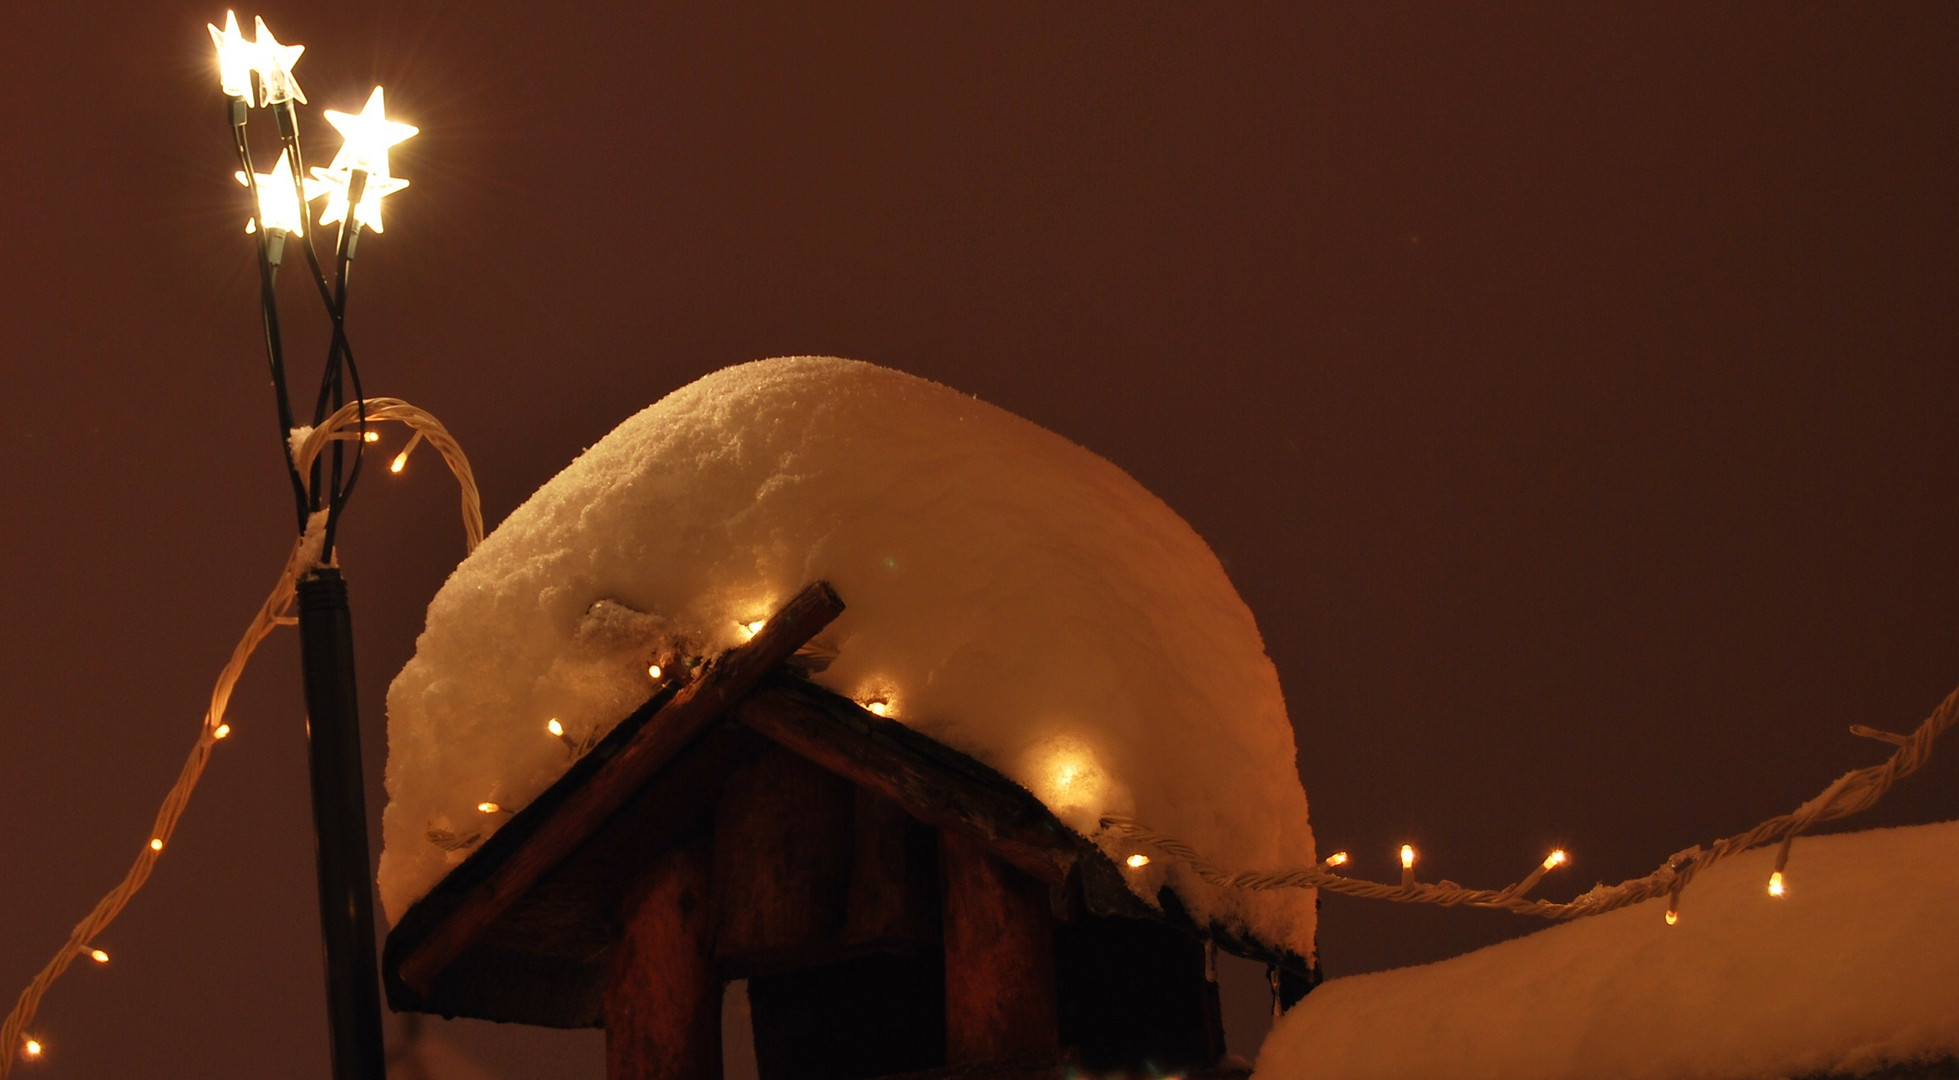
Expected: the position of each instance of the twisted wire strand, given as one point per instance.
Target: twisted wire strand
(275, 612)
(1849, 794)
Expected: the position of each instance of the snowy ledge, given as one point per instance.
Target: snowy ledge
(1854, 972)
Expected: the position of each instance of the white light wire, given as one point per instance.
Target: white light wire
(1851, 793)
(275, 612)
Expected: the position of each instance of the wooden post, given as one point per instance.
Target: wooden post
(999, 958)
(663, 1003)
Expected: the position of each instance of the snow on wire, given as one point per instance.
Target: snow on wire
(345, 423)
(1851, 793)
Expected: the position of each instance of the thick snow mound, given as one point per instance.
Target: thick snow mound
(1008, 593)
(1853, 969)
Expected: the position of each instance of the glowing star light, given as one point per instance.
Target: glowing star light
(334, 184)
(368, 134)
(274, 62)
(279, 206)
(236, 59)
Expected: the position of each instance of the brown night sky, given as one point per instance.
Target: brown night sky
(1569, 391)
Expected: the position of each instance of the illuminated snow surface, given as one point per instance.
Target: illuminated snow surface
(1856, 967)
(1008, 593)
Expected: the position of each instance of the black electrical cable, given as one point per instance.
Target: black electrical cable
(269, 314)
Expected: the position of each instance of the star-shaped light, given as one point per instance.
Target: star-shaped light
(279, 205)
(274, 63)
(333, 183)
(236, 58)
(368, 136)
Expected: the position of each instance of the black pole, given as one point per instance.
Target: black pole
(326, 639)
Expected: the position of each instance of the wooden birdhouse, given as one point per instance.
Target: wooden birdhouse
(897, 908)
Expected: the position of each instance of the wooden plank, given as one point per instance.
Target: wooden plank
(933, 783)
(999, 958)
(584, 809)
(663, 1001)
(894, 888)
(782, 844)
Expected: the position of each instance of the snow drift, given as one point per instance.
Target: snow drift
(1009, 593)
(1853, 969)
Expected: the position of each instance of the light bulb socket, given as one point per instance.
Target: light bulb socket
(288, 115)
(240, 108)
(275, 246)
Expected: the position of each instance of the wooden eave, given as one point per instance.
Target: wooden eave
(523, 929)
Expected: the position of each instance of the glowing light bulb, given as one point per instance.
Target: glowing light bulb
(222, 731)
(653, 671)
(1672, 916)
(489, 807)
(98, 956)
(274, 63)
(554, 727)
(1775, 883)
(156, 843)
(32, 1048)
(1555, 859)
(371, 436)
(399, 463)
(753, 628)
(335, 183)
(1338, 858)
(879, 707)
(1137, 862)
(236, 59)
(367, 136)
(1407, 857)
(279, 205)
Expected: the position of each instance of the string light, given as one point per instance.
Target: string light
(1849, 794)
(489, 808)
(32, 1047)
(554, 727)
(653, 671)
(1338, 858)
(1137, 862)
(750, 629)
(1555, 859)
(881, 707)
(221, 731)
(98, 955)
(156, 843)
(1775, 883)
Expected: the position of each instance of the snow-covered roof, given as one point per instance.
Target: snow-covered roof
(1008, 593)
(1854, 968)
